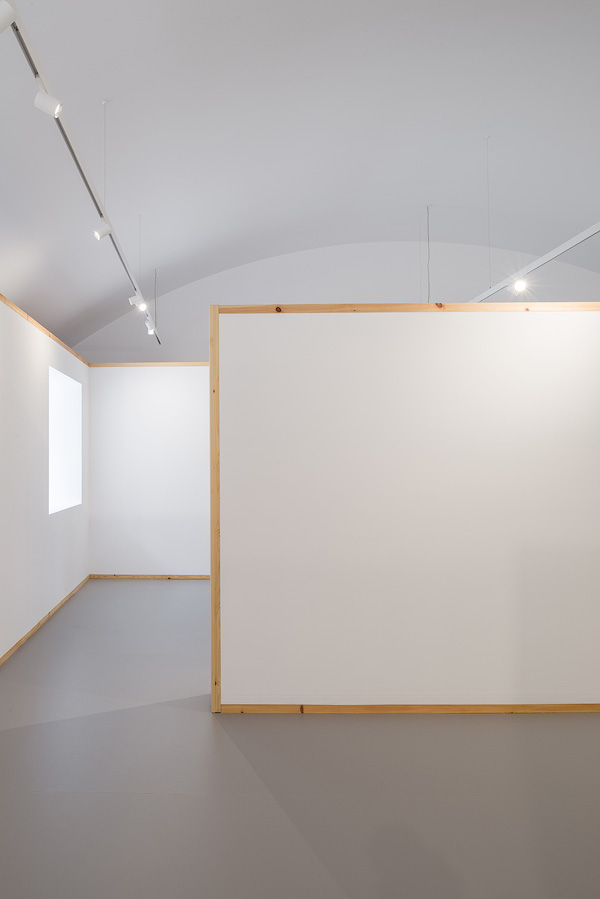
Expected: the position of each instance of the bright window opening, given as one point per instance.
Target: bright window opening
(65, 443)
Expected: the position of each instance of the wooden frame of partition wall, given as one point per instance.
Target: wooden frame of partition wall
(215, 312)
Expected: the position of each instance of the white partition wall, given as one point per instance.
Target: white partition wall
(149, 470)
(408, 505)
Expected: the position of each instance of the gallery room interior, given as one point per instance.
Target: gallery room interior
(299, 403)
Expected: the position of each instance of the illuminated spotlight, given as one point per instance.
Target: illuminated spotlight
(7, 15)
(103, 231)
(519, 286)
(139, 302)
(49, 105)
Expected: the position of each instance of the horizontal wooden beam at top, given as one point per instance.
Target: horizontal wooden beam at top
(504, 709)
(151, 577)
(410, 307)
(37, 626)
(41, 328)
(145, 364)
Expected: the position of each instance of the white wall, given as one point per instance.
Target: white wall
(353, 273)
(42, 557)
(150, 488)
(410, 507)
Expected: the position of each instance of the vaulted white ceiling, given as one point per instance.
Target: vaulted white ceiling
(243, 130)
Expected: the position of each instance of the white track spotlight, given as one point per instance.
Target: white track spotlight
(519, 286)
(49, 105)
(149, 324)
(7, 15)
(102, 230)
(139, 302)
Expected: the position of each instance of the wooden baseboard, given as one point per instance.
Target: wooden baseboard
(508, 709)
(30, 633)
(152, 577)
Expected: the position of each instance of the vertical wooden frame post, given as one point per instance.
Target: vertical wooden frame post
(215, 517)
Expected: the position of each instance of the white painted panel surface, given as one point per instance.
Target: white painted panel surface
(150, 477)
(42, 557)
(410, 508)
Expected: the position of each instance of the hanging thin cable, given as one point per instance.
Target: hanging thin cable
(140, 250)
(428, 260)
(156, 296)
(420, 264)
(104, 154)
(489, 231)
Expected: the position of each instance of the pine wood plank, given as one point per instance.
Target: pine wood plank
(506, 709)
(41, 328)
(152, 577)
(215, 521)
(410, 307)
(145, 364)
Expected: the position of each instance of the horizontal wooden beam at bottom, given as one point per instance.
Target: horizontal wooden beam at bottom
(151, 577)
(507, 709)
(36, 627)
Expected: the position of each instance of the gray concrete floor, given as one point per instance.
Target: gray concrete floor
(116, 780)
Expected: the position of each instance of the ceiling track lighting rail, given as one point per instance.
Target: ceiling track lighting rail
(517, 278)
(25, 50)
(79, 168)
(117, 248)
(44, 100)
